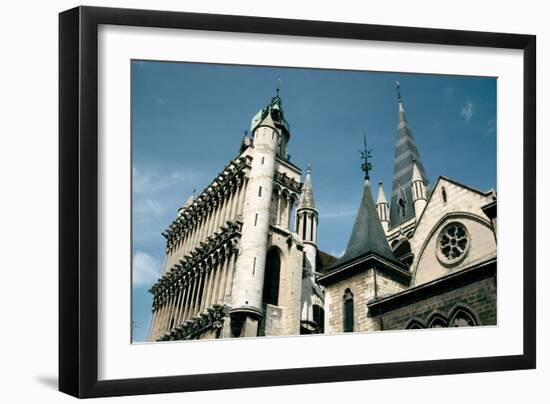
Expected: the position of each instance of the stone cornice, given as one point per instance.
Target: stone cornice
(351, 268)
(437, 286)
(288, 182)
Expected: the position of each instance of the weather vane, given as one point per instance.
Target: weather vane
(365, 156)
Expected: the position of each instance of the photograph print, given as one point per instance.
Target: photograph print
(272, 201)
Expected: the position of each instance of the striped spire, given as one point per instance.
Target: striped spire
(406, 152)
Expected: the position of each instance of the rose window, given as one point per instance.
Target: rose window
(453, 243)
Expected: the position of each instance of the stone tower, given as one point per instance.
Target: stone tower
(233, 266)
(401, 208)
(307, 220)
(266, 284)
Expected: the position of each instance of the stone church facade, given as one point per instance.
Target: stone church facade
(242, 257)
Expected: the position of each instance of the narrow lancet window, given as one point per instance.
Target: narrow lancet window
(348, 311)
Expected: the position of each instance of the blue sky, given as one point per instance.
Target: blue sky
(188, 121)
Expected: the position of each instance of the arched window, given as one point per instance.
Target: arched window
(414, 325)
(348, 311)
(463, 318)
(437, 321)
(402, 207)
(271, 279)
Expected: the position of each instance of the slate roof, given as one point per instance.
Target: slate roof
(367, 235)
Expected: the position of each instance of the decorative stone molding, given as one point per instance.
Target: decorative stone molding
(211, 196)
(225, 242)
(288, 182)
(211, 318)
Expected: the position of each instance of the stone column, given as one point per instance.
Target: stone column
(242, 196)
(189, 310)
(234, 200)
(188, 292)
(200, 292)
(218, 213)
(278, 212)
(228, 206)
(179, 303)
(162, 324)
(209, 272)
(217, 297)
(288, 212)
(229, 276)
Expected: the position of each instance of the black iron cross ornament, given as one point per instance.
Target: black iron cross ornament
(365, 156)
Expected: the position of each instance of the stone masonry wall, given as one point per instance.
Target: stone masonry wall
(362, 287)
(480, 298)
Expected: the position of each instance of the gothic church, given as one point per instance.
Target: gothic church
(242, 257)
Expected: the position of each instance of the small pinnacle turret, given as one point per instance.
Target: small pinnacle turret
(307, 200)
(306, 214)
(418, 189)
(383, 208)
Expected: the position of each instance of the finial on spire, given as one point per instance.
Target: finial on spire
(398, 91)
(279, 84)
(308, 168)
(365, 156)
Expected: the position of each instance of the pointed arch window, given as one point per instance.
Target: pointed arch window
(463, 318)
(438, 321)
(402, 207)
(348, 311)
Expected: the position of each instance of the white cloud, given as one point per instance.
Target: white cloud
(146, 269)
(467, 111)
(149, 207)
(160, 101)
(152, 181)
(337, 211)
(337, 254)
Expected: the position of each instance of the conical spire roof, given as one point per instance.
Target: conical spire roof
(416, 176)
(368, 234)
(381, 195)
(307, 200)
(405, 152)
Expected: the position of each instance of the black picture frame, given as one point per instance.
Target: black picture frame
(78, 200)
